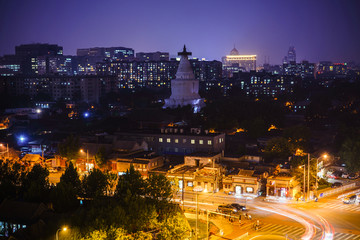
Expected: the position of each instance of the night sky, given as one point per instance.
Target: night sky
(319, 29)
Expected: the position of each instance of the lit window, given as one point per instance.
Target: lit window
(249, 189)
(176, 140)
(201, 141)
(209, 142)
(192, 141)
(168, 140)
(160, 140)
(190, 184)
(184, 140)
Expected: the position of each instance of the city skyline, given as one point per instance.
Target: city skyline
(319, 31)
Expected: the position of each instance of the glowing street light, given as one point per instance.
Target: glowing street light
(57, 232)
(87, 158)
(6, 151)
(303, 166)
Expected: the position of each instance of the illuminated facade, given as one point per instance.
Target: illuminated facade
(184, 88)
(235, 62)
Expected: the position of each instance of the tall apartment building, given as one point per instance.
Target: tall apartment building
(152, 56)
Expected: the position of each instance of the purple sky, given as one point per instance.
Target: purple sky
(319, 29)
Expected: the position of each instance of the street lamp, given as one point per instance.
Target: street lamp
(303, 166)
(317, 171)
(87, 159)
(57, 232)
(7, 149)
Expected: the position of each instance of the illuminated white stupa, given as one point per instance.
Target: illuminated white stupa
(185, 88)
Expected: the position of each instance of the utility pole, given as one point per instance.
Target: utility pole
(308, 195)
(207, 224)
(182, 193)
(196, 227)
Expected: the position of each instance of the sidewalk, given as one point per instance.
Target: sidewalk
(227, 230)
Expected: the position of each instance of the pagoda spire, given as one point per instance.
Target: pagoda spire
(184, 52)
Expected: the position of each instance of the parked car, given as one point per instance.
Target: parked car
(349, 199)
(345, 175)
(353, 175)
(336, 184)
(238, 206)
(227, 209)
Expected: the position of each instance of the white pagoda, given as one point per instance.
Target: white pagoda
(185, 88)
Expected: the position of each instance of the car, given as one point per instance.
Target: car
(238, 206)
(345, 175)
(349, 199)
(336, 184)
(353, 176)
(227, 209)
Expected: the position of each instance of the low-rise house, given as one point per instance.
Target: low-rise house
(16, 215)
(282, 185)
(202, 158)
(245, 182)
(143, 161)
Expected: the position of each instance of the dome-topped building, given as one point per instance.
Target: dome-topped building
(234, 51)
(185, 88)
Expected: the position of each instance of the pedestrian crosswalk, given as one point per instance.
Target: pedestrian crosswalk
(342, 206)
(295, 233)
(291, 231)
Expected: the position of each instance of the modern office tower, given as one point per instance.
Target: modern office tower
(291, 56)
(57, 65)
(29, 53)
(38, 49)
(10, 65)
(152, 56)
(303, 69)
(114, 53)
(184, 88)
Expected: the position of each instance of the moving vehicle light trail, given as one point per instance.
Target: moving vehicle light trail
(307, 221)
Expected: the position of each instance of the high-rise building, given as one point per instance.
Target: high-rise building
(185, 88)
(152, 56)
(114, 53)
(291, 56)
(38, 49)
(236, 62)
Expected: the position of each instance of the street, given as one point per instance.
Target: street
(327, 219)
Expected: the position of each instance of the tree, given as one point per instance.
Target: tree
(130, 183)
(71, 177)
(36, 184)
(174, 227)
(95, 184)
(69, 148)
(278, 147)
(350, 153)
(101, 157)
(65, 195)
(298, 136)
(11, 177)
(159, 187)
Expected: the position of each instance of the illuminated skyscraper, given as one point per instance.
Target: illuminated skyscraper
(291, 56)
